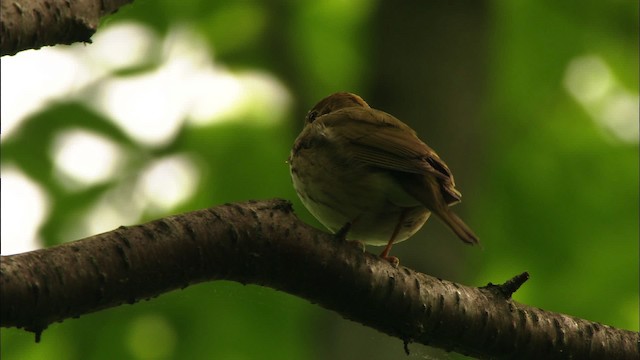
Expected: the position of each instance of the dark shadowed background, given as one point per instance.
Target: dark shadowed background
(180, 105)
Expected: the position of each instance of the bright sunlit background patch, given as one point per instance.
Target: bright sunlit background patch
(84, 158)
(592, 83)
(121, 46)
(24, 207)
(179, 83)
(168, 181)
(188, 85)
(32, 78)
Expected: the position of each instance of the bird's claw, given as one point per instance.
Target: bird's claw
(341, 234)
(394, 261)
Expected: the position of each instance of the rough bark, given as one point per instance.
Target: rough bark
(31, 24)
(264, 243)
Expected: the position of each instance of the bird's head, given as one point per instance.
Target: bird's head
(333, 102)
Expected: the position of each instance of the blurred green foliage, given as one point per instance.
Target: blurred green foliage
(548, 188)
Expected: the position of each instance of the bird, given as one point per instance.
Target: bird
(367, 176)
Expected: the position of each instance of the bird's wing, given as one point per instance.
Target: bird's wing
(379, 139)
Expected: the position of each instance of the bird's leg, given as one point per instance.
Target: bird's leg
(342, 233)
(385, 253)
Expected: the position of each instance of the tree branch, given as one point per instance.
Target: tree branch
(264, 243)
(31, 24)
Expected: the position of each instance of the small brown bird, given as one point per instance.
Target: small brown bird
(361, 171)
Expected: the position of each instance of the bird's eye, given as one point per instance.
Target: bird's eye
(311, 116)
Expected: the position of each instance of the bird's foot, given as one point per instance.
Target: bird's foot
(394, 261)
(385, 255)
(342, 233)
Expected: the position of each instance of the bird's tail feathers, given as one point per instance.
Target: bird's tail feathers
(458, 226)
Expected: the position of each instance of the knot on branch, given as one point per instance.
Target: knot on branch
(509, 287)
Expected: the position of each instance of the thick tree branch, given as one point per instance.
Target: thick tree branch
(31, 24)
(264, 243)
